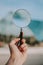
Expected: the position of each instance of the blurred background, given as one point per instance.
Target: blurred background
(33, 33)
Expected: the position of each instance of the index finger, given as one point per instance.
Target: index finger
(14, 41)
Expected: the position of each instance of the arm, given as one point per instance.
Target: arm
(18, 54)
(10, 61)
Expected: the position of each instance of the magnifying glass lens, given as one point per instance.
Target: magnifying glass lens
(21, 18)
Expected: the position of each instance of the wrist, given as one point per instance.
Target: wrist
(15, 61)
(12, 58)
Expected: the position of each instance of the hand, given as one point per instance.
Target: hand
(18, 54)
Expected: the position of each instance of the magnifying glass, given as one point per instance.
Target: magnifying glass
(21, 18)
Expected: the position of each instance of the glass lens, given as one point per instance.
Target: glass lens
(21, 18)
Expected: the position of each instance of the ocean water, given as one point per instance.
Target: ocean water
(37, 28)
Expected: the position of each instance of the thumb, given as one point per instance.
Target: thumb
(13, 48)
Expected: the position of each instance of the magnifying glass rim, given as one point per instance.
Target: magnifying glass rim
(27, 13)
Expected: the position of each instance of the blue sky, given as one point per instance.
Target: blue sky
(35, 7)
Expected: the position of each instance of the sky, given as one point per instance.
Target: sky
(35, 7)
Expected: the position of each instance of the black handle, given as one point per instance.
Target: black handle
(21, 37)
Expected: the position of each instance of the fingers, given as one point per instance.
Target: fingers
(12, 44)
(23, 41)
(14, 41)
(23, 48)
